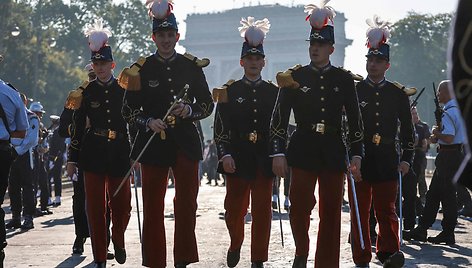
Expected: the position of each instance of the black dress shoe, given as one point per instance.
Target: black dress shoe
(299, 262)
(100, 265)
(120, 255)
(13, 224)
(181, 265)
(110, 255)
(27, 224)
(395, 260)
(445, 237)
(257, 264)
(418, 234)
(78, 247)
(232, 258)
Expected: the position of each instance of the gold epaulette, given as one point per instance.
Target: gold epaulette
(129, 77)
(220, 94)
(285, 79)
(409, 91)
(356, 77)
(199, 62)
(74, 99)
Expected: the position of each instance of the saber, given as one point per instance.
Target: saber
(277, 182)
(356, 205)
(178, 98)
(137, 205)
(400, 207)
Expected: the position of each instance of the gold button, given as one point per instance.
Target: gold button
(170, 79)
(254, 90)
(108, 111)
(168, 68)
(109, 140)
(255, 120)
(377, 103)
(255, 100)
(322, 99)
(376, 94)
(107, 101)
(377, 114)
(322, 109)
(377, 124)
(109, 121)
(106, 91)
(322, 120)
(171, 91)
(321, 77)
(322, 87)
(255, 110)
(171, 103)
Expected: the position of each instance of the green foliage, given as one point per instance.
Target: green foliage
(46, 60)
(419, 55)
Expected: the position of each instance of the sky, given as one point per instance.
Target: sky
(356, 13)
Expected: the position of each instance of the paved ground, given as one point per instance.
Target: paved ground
(49, 243)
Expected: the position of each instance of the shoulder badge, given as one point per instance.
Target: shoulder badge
(199, 62)
(285, 79)
(74, 99)
(129, 77)
(356, 77)
(220, 94)
(409, 91)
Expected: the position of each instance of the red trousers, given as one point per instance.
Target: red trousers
(384, 195)
(238, 191)
(302, 198)
(154, 186)
(97, 187)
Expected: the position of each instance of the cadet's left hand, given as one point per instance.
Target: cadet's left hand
(181, 110)
(356, 168)
(403, 167)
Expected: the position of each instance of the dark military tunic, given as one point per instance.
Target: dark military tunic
(383, 106)
(103, 148)
(319, 100)
(161, 80)
(246, 116)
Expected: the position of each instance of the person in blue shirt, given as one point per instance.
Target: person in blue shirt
(450, 137)
(20, 183)
(13, 124)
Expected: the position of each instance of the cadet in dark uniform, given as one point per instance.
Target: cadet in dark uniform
(442, 190)
(57, 148)
(152, 86)
(421, 148)
(383, 104)
(241, 133)
(13, 126)
(317, 94)
(102, 151)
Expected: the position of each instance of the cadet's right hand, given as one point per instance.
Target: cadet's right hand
(71, 169)
(279, 166)
(157, 125)
(228, 164)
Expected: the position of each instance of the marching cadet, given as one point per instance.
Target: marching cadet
(317, 94)
(102, 151)
(154, 85)
(241, 133)
(383, 104)
(450, 137)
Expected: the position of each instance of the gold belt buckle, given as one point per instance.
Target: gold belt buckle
(376, 139)
(111, 134)
(253, 136)
(320, 128)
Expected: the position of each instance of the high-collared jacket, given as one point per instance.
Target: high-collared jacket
(161, 81)
(103, 146)
(241, 127)
(385, 110)
(317, 104)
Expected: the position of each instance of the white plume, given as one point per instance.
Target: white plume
(159, 9)
(320, 16)
(254, 31)
(378, 31)
(97, 35)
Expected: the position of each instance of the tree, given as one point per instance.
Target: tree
(418, 55)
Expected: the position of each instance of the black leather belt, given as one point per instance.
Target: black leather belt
(450, 147)
(319, 128)
(108, 133)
